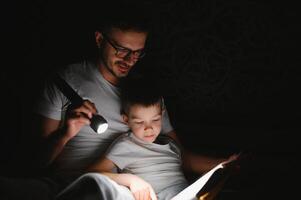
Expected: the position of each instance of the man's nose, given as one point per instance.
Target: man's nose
(131, 58)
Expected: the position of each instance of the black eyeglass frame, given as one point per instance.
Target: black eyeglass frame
(141, 52)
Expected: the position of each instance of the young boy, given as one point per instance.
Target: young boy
(148, 163)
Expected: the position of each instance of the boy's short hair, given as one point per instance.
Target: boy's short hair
(140, 90)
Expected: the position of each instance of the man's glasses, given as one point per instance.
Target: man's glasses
(123, 52)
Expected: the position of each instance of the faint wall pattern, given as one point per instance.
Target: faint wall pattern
(212, 56)
(216, 56)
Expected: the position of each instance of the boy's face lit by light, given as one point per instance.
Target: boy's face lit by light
(145, 122)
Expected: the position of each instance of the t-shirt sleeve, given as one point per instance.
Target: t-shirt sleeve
(51, 103)
(119, 153)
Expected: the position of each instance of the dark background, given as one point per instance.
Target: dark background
(229, 69)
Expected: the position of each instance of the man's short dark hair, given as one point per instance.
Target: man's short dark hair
(124, 16)
(140, 90)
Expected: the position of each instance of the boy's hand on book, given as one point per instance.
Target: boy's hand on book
(141, 189)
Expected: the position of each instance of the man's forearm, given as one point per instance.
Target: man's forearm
(52, 146)
(193, 162)
(199, 163)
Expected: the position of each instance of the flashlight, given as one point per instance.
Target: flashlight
(98, 123)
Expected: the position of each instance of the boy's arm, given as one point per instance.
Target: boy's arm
(140, 188)
(105, 167)
(102, 165)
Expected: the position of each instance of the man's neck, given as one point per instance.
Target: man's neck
(107, 74)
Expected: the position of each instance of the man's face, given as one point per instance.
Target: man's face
(115, 63)
(145, 122)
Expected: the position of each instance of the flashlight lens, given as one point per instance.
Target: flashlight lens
(99, 124)
(102, 128)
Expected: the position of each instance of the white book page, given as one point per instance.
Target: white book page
(190, 192)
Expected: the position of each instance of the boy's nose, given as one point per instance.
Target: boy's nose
(148, 127)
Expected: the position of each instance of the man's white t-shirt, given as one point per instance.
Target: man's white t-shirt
(86, 146)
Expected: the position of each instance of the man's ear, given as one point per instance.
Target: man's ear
(98, 38)
(125, 118)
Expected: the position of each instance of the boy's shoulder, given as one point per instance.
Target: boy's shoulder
(122, 137)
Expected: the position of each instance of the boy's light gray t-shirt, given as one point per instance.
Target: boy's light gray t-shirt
(157, 164)
(87, 145)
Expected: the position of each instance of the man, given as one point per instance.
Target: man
(69, 144)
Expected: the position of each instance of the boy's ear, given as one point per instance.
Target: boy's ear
(125, 118)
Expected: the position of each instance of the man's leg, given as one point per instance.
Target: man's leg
(26, 189)
(94, 186)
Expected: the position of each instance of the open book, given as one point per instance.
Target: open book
(192, 191)
(208, 185)
(199, 188)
